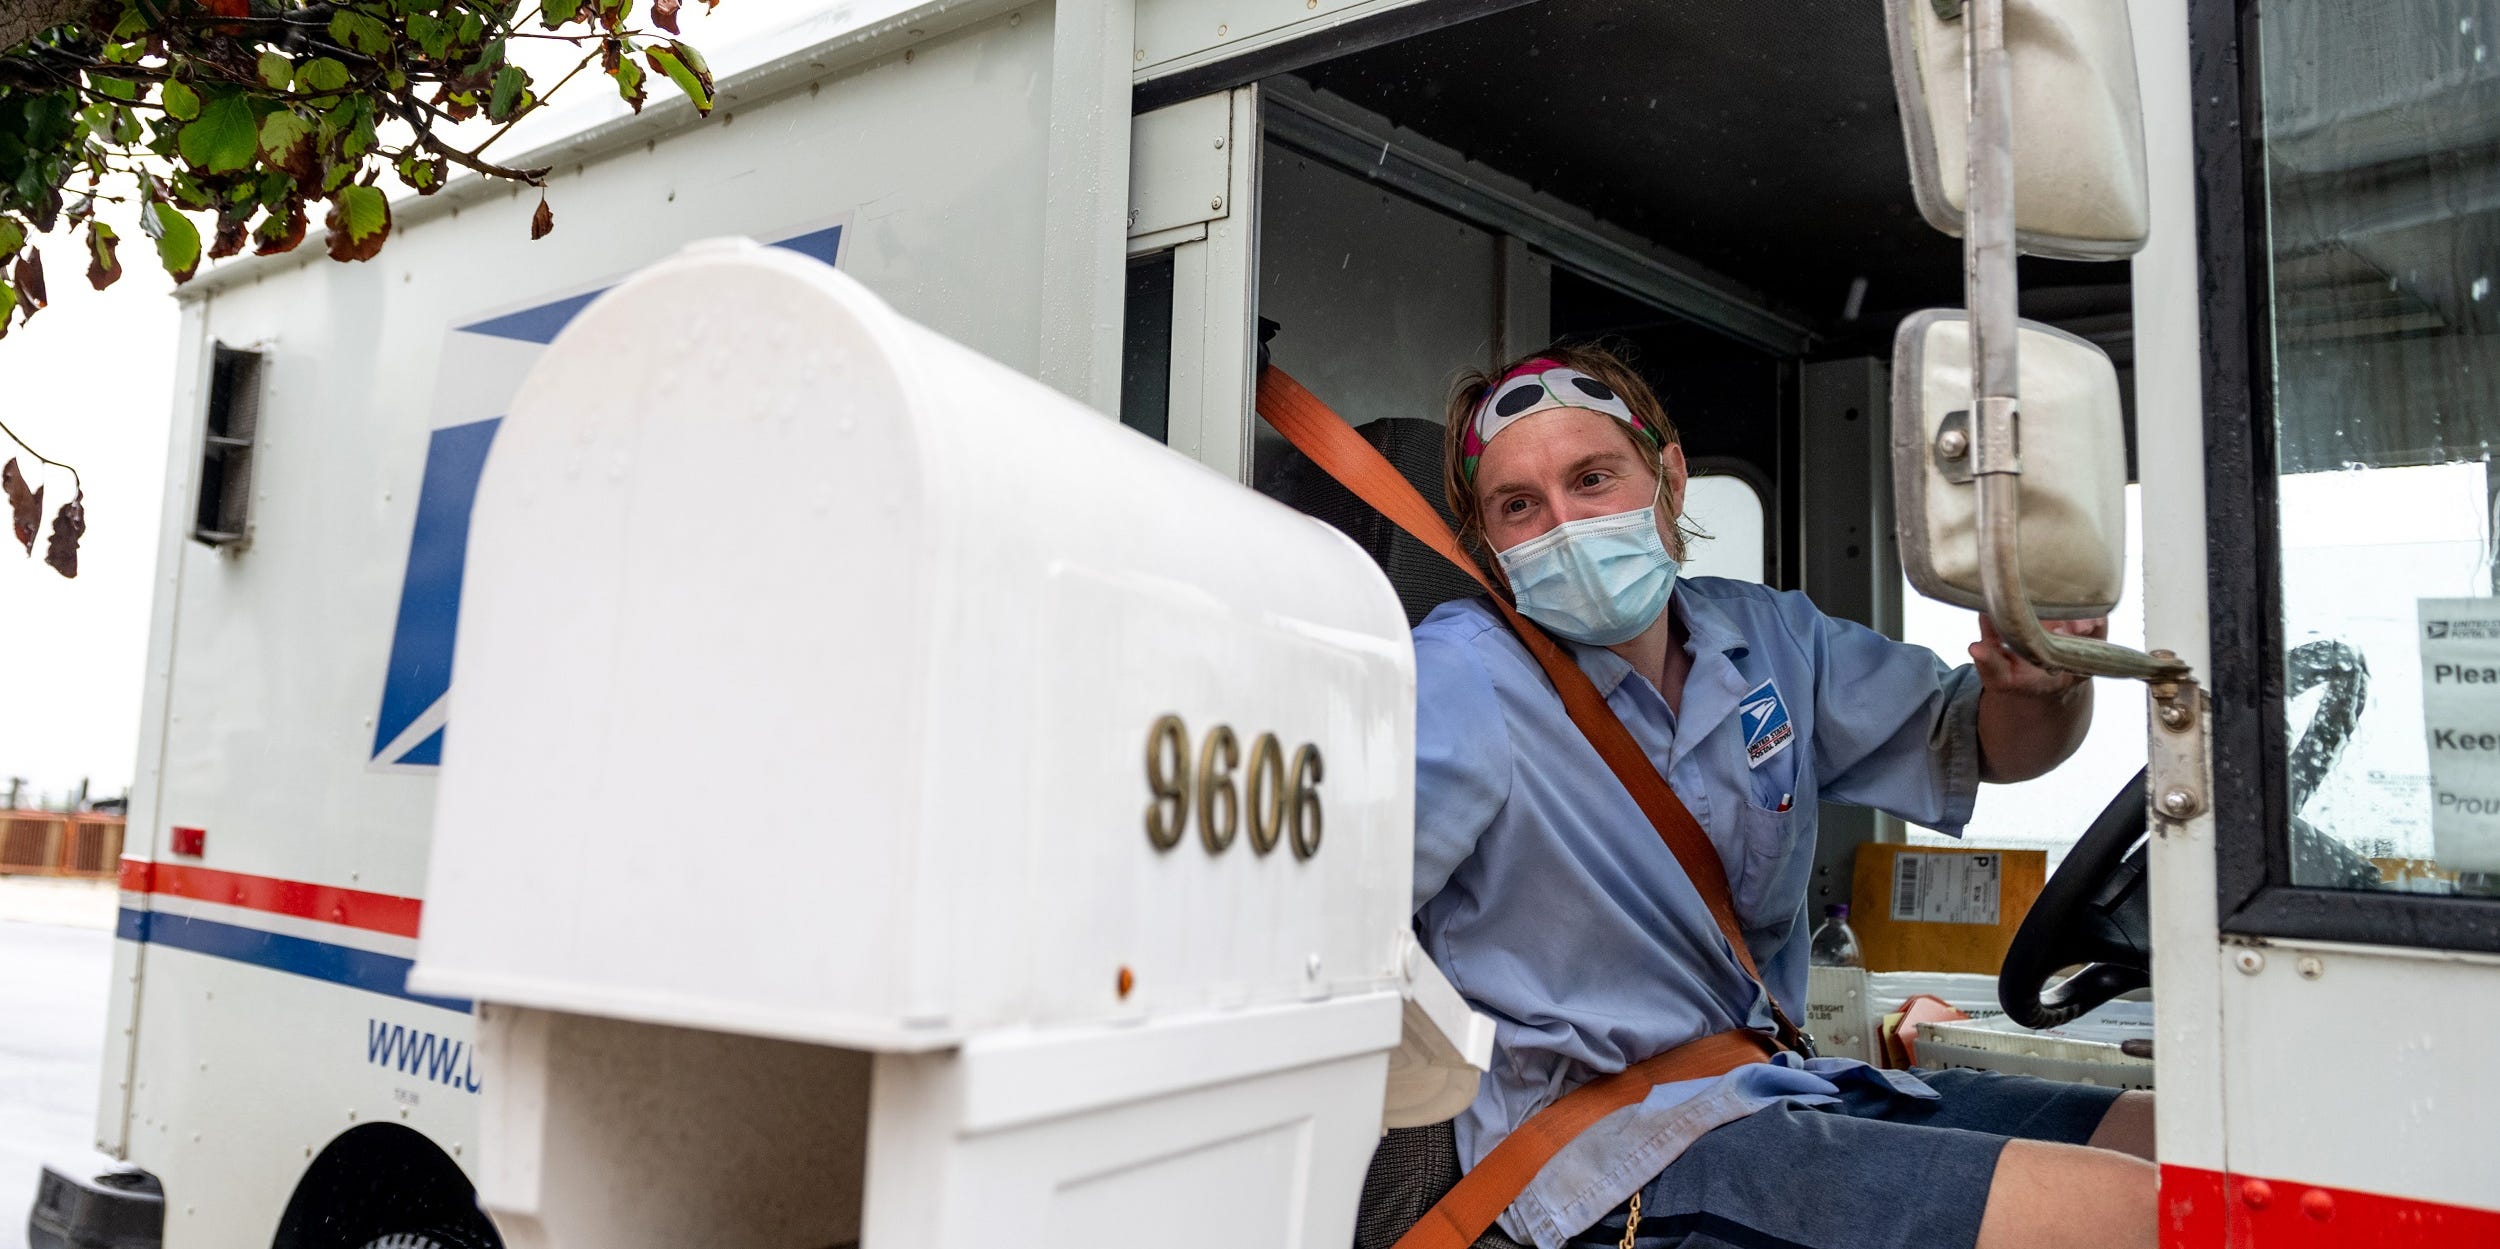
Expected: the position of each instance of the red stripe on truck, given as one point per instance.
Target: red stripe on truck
(330, 904)
(2203, 1209)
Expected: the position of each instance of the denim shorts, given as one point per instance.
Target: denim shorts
(1873, 1172)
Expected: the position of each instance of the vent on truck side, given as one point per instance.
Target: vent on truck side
(226, 447)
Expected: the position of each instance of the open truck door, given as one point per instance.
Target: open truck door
(2321, 868)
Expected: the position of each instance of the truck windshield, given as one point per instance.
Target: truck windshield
(2382, 212)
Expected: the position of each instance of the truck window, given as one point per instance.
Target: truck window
(1731, 511)
(2384, 243)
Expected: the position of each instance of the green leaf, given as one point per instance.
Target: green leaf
(286, 142)
(8, 304)
(276, 71)
(360, 218)
(188, 192)
(280, 231)
(323, 73)
(672, 60)
(104, 266)
(181, 102)
(433, 34)
(629, 77)
(423, 175)
(360, 32)
(12, 237)
(554, 13)
(112, 88)
(177, 241)
(225, 138)
(510, 85)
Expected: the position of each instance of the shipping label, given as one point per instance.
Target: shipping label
(1946, 888)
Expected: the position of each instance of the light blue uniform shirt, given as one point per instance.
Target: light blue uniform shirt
(1550, 901)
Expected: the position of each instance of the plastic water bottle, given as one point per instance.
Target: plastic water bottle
(1834, 944)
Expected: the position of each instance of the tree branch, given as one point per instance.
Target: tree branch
(21, 20)
(467, 160)
(73, 473)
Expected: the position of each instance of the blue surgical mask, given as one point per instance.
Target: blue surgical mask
(1600, 581)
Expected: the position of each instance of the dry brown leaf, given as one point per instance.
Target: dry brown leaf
(25, 506)
(67, 528)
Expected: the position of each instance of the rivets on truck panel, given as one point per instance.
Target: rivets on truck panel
(2249, 961)
(2311, 967)
(2318, 1204)
(2179, 803)
(1126, 982)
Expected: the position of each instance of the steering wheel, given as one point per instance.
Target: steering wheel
(2095, 911)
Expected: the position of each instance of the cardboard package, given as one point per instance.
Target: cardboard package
(1920, 908)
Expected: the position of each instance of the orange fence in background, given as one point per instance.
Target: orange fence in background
(55, 843)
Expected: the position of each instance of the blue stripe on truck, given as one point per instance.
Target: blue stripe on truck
(318, 960)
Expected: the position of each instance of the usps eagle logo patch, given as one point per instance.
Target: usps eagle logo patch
(1765, 719)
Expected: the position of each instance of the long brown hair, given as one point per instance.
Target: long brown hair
(1603, 360)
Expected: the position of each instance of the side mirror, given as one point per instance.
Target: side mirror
(2071, 527)
(2078, 122)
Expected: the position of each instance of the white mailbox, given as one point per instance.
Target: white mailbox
(839, 710)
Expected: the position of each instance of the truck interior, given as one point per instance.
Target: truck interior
(1723, 190)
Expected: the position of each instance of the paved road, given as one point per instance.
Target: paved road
(53, 981)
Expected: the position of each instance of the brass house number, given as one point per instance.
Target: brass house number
(1281, 800)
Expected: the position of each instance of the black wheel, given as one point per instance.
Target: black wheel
(384, 1186)
(433, 1238)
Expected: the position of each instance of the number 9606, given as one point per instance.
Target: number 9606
(1218, 788)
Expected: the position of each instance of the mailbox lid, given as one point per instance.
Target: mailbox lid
(797, 672)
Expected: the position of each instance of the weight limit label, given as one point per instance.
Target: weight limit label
(1946, 888)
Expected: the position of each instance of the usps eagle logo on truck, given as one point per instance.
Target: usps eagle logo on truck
(483, 364)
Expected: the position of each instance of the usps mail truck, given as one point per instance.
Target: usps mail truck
(636, 926)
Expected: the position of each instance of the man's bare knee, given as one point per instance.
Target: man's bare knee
(2047, 1196)
(2128, 1126)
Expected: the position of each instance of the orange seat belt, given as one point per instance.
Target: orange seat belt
(1490, 1187)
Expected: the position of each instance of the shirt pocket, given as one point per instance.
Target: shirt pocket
(1772, 880)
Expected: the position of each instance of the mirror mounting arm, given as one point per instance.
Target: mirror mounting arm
(1988, 252)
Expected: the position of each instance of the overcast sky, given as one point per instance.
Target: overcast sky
(87, 382)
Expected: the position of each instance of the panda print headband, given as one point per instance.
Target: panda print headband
(1541, 385)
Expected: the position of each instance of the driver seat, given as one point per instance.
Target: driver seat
(1413, 1167)
(1410, 1172)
